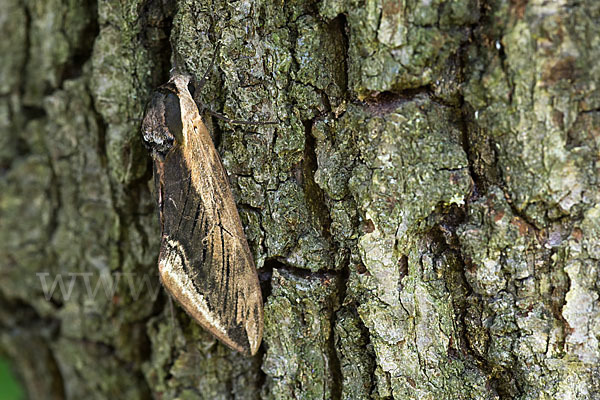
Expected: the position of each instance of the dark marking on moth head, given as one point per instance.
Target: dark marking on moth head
(191, 88)
(162, 125)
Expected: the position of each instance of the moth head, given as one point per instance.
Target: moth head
(162, 125)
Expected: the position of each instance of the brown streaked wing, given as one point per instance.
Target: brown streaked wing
(205, 261)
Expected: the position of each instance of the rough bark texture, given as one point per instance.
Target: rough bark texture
(425, 216)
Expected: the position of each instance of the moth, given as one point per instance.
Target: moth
(204, 261)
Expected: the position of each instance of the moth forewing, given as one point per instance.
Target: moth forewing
(204, 262)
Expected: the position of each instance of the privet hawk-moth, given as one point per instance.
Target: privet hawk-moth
(204, 261)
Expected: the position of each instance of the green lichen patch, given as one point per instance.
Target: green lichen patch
(398, 165)
(416, 339)
(534, 298)
(13, 29)
(530, 86)
(581, 310)
(288, 234)
(534, 100)
(398, 45)
(355, 354)
(298, 335)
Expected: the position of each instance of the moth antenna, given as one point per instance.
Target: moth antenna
(198, 85)
(239, 121)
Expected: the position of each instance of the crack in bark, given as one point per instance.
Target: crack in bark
(315, 196)
(335, 364)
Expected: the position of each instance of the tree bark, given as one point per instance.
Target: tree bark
(425, 216)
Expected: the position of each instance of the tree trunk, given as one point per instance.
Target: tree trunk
(424, 216)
